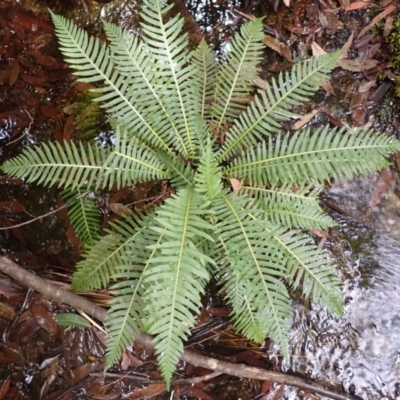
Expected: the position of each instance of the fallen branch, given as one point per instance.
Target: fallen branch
(34, 282)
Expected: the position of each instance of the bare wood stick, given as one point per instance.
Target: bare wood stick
(34, 282)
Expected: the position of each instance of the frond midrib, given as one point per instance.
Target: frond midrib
(116, 90)
(335, 149)
(259, 269)
(270, 110)
(178, 89)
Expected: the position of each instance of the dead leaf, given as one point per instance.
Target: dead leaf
(12, 206)
(346, 47)
(278, 46)
(51, 112)
(120, 209)
(4, 388)
(304, 120)
(380, 16)
(388, 26)
(317, 50)
(6, 312)
(43, 318)
(14, 72)
(363, 88)
(385, 181)
(321, 233)
(327, 86)
(358, 64)
(236, 184)
(287, 3)
(147, 392)
(359, 4)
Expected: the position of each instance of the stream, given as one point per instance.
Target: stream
(360, 352)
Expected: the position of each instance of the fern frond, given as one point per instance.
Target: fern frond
(169, 46)
(123, 96)
(265, 114)
(133, 59)
(126, 315)
(288, 208)
(208, 177)
(52, 164)
(84, 215)
(325, 154)
(105, 256)
(263, 306)
(131, 162)
(180, 173)
(308, 266)
(203, 59)
(235, 77)
(177, 276)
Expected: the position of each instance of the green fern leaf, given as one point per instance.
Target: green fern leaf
(235, 77)
(123, 97)
(288, 208)
(135, 60)
(84, 215)
(307, 265)
(325, 154)
(180, 173)
(104, 256)
(169, 46)
(177, 275)
(208, 177)
(266, 113)
(54, 165)
(126, 315)
(131, 162)
(263, 305)
(204, 61)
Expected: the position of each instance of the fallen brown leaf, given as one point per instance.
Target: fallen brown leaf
(389, 9)
(358, 64)
(304, 120)
(278, 46)
(385, 181)
(236, 184)
(359, 4)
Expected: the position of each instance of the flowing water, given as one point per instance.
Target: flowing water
(360, 352)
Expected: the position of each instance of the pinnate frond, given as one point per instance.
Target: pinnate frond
(203, 59)
(126, 314)
(304, 156)
(272, 106)
(256, 268)
(52, 164)
(177, 276)
(131, 162)
(171, 55)
(291, 208)
(84, 215)
(105, 256)
(235, 77)
(122, 96)
(208, 177)
(309, 268)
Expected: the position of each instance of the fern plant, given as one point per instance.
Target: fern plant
(182, 117)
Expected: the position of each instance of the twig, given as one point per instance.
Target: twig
(43, 215)
(27, 130)
(240, 370)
